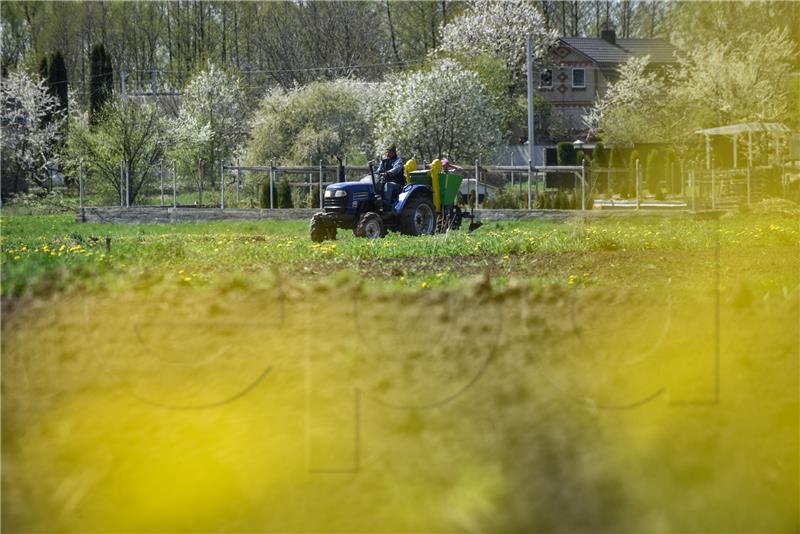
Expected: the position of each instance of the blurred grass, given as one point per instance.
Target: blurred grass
(620, 375)
(53, 253)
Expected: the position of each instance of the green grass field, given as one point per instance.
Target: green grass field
(608, 375)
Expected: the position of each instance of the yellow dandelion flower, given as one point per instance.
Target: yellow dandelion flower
(16, 257)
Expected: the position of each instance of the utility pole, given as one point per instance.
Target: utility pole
(531, 129)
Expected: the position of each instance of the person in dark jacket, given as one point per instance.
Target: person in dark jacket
(391, 167)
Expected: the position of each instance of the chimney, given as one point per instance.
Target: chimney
(608, 35)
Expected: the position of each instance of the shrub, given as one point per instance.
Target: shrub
(312, 200)
(284, 194)
(565, 153)
(599, 155)
(505, 198)
(264, 197)
(618, 180)
(653, 172)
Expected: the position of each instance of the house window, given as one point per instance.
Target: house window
(546, 78)
(578, 78)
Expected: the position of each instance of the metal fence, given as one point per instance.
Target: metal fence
(688, 185)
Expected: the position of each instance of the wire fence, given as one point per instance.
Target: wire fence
(688, 186)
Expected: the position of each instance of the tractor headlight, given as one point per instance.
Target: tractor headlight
(335, 193)
(328, 193)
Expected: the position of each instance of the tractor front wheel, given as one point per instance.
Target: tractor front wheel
(321, 228)
(370, 225)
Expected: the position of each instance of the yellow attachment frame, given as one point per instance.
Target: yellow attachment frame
(436, 168)
(409, 167)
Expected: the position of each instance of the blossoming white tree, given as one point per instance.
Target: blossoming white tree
(500, 29)
(215, 97)
(28, 141)
(711, 85)
(189, 141)
(627, 112)
(445, 111)
(321, 120)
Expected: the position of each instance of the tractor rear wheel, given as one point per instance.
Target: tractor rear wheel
(418, 216)
(370, 225)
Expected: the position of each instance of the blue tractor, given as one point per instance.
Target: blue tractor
(371, 207)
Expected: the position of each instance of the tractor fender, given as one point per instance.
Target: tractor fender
(408, 192)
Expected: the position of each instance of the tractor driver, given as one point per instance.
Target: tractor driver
(391, 168)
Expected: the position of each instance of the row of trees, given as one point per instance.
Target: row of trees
(464, 98)
(442, 107)
(286, 43)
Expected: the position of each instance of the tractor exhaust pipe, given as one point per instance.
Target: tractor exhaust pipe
(341, 172)
(372, 174)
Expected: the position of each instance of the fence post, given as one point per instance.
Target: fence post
(161, 174)
(121, 184)
(713, 187)
(321, 192)
(672, 177)
(174, 184)
(238, 180)
(530, 178)
(222, 185)
(80, 184)
(271, 180)
(477, 192)
(692, 187)
(749, 161)
(583, 185)
(638, 186)
(127, 186)
(683, 194)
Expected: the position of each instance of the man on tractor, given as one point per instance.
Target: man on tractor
(391, 168)
(392, 174)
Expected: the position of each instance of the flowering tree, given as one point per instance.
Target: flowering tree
(429, 118)
(28, 140)
(627, 112)
(740, 81)
(320, 121)
(189, 142)
(491, 38)
(711, 85)
(499, 29)
(215, 97)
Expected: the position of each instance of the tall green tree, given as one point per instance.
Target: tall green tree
(101, 81)
(57, 80)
